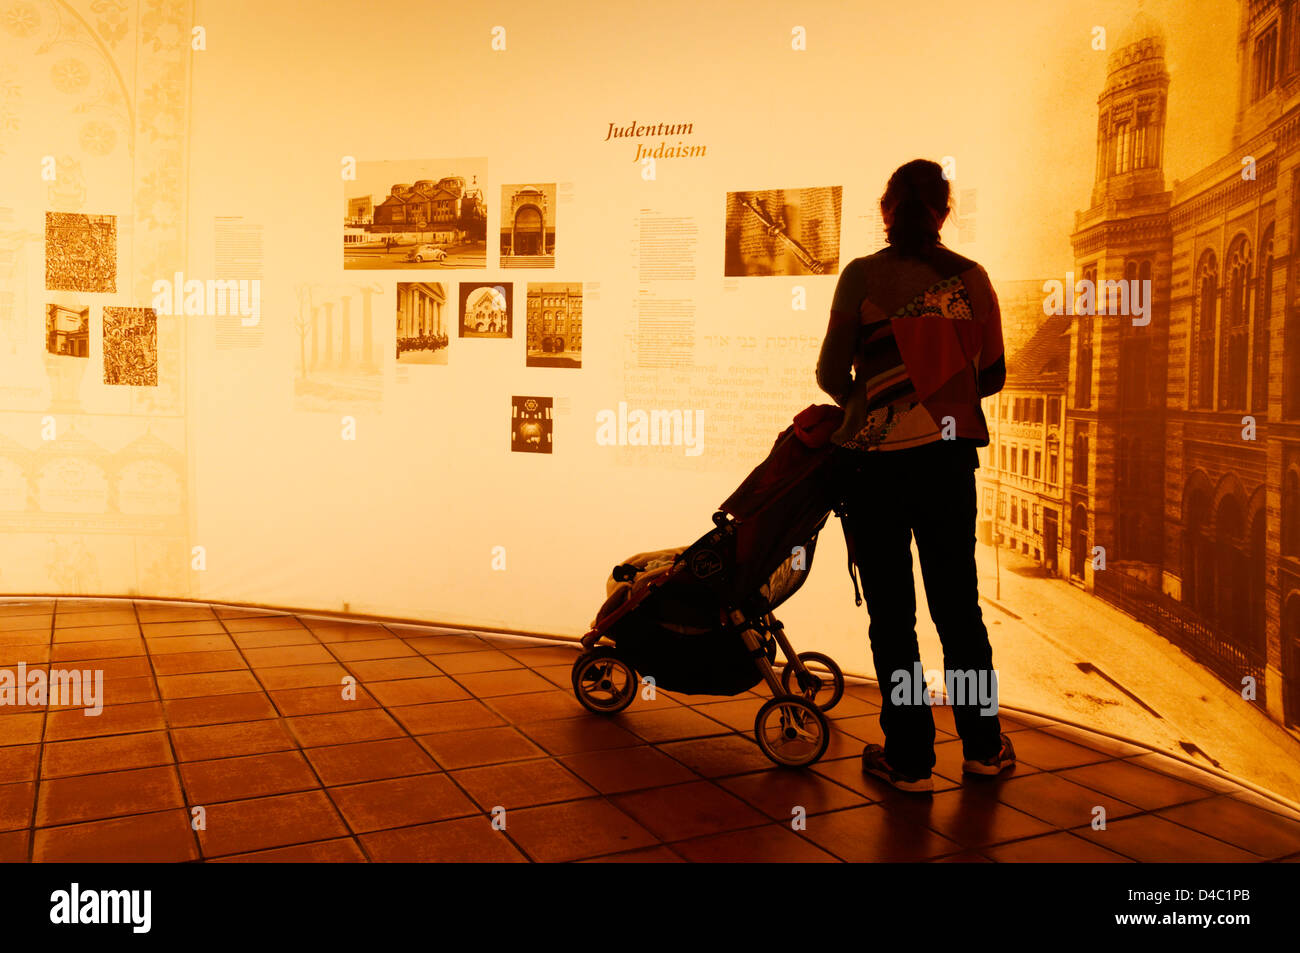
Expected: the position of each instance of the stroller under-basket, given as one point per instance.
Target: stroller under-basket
(698, 619)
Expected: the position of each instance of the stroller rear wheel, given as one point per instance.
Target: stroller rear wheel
(792, 731)
(822, 689)
(603, 682)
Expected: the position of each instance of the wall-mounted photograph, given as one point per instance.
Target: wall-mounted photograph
(783, 232)
(528, 226)
(554, 324)
(80, 252)
(530, 424)
(131, 346)
(67, 330)
(416, 214)
(485, 309)
(421, 322)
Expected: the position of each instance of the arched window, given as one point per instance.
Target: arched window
(1291, 658)
(1232, 587)
(1203, 335)
(1198, 564)
(1234, 342)
(1079, 469)
(1291, 512)
(1263, 320)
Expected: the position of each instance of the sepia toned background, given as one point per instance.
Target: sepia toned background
(363, 485)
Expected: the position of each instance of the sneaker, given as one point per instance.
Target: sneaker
(1004, 759)
(873, 762)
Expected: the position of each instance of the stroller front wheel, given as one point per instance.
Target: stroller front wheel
(603, 682)
(792, 731)
(823, 690)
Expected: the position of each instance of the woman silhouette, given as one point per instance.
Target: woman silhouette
(914, 342)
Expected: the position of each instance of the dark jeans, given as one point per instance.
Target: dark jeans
(926, 492)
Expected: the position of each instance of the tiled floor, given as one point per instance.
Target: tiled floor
(243, 714)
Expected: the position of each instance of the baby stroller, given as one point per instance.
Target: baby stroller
(699, 619)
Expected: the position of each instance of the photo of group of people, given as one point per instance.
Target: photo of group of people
(80, 252)
(131, 346)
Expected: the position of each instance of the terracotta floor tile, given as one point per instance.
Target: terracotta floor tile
(257, 775)
(371, 649)
(247, 612)
(338, 728)
(851, 707)
(68, 620)
(118, 691)
(136, 666)
(1149, 838)
(462, 663)
(228, 741)
(1148, 790)
(574, 830)
(401, 802)
(302, 676)
(1059, 848)
(113, 720)
(572, 735)
(561, 677)
(627, 769)
(769, 844)
(688, 810)
(16, 805)
(510, 682)
(93, 797)
(535, 656)
(192, 663)
(238, 827)
(1056, 800)
(1250, 828)
(191, 643)
(870, 835)
(272, 639)
(96, 633)
(30, 655)
(21, 637)
(417, 691)
(144, 838)
(370, 761)
(21, 729)
(19, 763)
(646, 855)
(262, 623)
(446, 716)
(14, 846)
(737, 714)
(336, 630)
(282, 655)
(465, 749)
(670, 724)
(211, 683)
(521, 784)
(777, 793)
(218, 709)
(972, 816)
(719, 755)
(537, 706)
(340, 851)
(444, 644)
(91, 651)
(166, 630)
(1088, 739)
(98, 755)
(466, 840)
(1046, 751)
(158, 612)
(322, 699)
(382, 670)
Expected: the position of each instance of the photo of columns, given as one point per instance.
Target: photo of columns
(421, 322)
(340, 356)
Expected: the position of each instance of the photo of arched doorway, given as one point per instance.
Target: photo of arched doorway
(1078, 541)
(526, 236)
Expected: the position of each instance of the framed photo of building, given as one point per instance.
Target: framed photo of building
(421, 213)
(485, 309)
(421, 323)
(530, 424)
(554, 324)
(528, 226)
(783, 232)
(67, 331)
